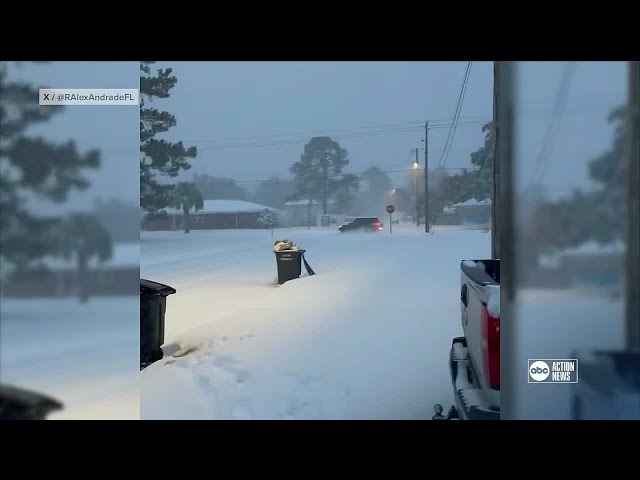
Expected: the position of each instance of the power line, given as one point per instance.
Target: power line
(455, 113)
(337, 137)
(348, 173)
(306, 139)
(446, 122)
(546, 147)
(449, 140)
(456, 122)
(386, 172)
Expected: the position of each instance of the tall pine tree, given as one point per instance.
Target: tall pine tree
(158, 157)
(608, 173)
(32, 167)
(318, 175)
(593, 215)
(476, 183)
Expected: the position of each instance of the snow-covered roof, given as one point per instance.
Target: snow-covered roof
(595, 248)
(227, 206)
(305, 202)
(552, 260)
(124, 255)
(473, 203)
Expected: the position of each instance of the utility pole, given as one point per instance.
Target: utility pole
(416, 188)
(427, 212)
(632, 281)
(504, 91)
(495, 198)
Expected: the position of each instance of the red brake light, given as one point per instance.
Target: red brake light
(378, 225)
(491, 347)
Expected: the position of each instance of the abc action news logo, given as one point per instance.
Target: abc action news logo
(555, 370)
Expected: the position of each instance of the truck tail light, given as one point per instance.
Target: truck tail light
(491, 347)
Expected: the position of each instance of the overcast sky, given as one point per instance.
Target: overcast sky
(216, 103)
(114, 130)
(374, 109)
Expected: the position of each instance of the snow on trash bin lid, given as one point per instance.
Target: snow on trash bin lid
(281, 245)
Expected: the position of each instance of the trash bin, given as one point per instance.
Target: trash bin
(19, 404)
(289, 265)
(153, 304)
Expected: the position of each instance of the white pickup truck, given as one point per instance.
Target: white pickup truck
(475, 358)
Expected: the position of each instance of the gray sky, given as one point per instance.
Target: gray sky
(581, 130)
(114, 130)
(217, 102)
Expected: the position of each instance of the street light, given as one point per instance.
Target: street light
(416, 166)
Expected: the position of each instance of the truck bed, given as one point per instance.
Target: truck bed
(474, 358)
(471, 401)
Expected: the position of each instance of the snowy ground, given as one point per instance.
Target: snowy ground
(86, 356)
(368, 337)
(554, 324)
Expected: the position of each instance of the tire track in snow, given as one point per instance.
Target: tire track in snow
(227, 391)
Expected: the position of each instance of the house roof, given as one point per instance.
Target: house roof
(305, 202)
(473, 203)
(124, 255)
(228, 206)
(595, 248)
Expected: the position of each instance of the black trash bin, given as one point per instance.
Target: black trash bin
(19, 404)
(289, 265)
(153, 304)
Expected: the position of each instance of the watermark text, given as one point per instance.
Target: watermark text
(88, 96)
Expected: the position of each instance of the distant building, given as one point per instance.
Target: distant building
(55, 277)
(217, 214)
(595, 267)
(448, 216)
(474, 214)
(306, 212)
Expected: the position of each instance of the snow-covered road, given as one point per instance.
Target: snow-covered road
(85, 355)
(368, 337)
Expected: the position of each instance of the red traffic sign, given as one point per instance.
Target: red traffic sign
(390, 209)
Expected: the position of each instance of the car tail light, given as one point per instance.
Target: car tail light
(378, 225)
(491, 347)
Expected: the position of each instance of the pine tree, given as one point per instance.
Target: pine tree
(158, 157)
(32, 167)
(476, 183)
(608, 173)
(595, 215)
(318, 174)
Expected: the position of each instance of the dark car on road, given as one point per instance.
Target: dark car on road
(364, 224)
